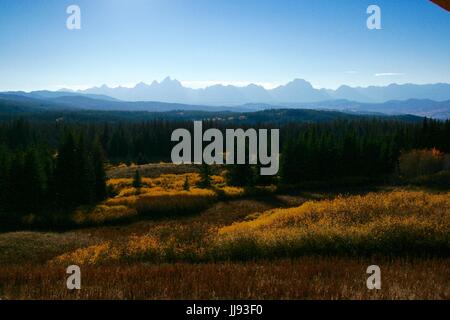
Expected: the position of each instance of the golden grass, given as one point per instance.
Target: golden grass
(389, 223)
(167, 194)
(233, 192)
(177, 239)
(393, 223)
(103, 214)
(159, 201)
(168, 182)
(152, 259)
(157, 196)
(153, 170)
(136, 247)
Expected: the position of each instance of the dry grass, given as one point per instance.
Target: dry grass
(153, 170)
(160, 202)
(169, 183)
(392, 223)
(129, 256)
(177, 239)
(307, 278)
(38, 247)
(103, 214)
(164, 195)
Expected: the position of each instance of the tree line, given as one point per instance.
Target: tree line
(368, 148)
(50, 163)
(34, 176)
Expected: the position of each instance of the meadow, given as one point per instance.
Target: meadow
(305, 278)
(170, 238)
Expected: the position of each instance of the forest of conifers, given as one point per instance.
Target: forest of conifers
(61, 164)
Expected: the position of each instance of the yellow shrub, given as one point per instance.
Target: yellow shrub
(166, 182)
(121, 184)
(174, 201)
(159, 200)
(125, 201)
(215, 179)
(416, 163)
(393, 222)
(175, 181)
(91, 255)
(103, 213)
(142, 246)
(136, 247)
(233, 191)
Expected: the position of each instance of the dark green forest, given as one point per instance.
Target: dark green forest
(57, 164)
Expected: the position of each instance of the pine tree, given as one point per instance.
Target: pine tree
(240, 175)
(205, 176)
(186, 185)
(99, 172)
(17, 183)
(137, 180)
(288, 162)
(35, 185)
(65, 176)
(79, 175)
(85, 168)
(4, 174)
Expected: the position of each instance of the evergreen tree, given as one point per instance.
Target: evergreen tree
(85, 168)
(35, 186)
(186, 185)
(99, 172)
(137, 180)
(4, 174)
(79, 173)
(240, 175)
(205, 176)
(17, 183)
(67, 172)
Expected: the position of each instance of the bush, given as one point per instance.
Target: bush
(394, 223)
(417, 163)
(103, 214)
(157, 201)
(440, 180)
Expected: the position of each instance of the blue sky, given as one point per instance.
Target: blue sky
(201, 42)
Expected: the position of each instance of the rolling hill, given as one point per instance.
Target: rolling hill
(84, 108)
(19, 102)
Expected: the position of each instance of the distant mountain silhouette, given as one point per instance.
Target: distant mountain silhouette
(419, 107)
(31, 102)
(296, 91)
(62, 109)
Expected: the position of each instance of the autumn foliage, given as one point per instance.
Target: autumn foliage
(390, 223)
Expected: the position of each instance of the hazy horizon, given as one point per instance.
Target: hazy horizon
(210, 83)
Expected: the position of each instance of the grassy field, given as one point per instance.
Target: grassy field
(166, 241)
(396, 223)
(306, 278)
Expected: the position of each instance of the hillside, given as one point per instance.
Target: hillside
(46, 100)
(86, 108)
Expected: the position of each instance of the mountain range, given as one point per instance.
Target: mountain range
(431, 100)
(20, 102)
(79, 108)
(296, 91)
